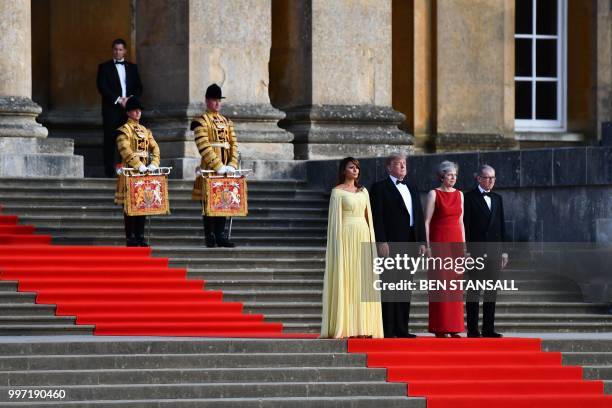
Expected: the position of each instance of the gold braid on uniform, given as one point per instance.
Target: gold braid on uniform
(209, 159)
(135, 143)
(211, 131)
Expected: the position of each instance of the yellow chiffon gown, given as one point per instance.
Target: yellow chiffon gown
(351, 306)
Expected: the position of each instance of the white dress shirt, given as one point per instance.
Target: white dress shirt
(403, 189)
(121, 71)
(486, 198)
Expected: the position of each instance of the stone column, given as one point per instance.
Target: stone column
(24, 149)
(603, 64)
(474, 65)
(332, 62)
(183, 47)
(17, 110)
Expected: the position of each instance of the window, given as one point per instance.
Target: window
(540, 65)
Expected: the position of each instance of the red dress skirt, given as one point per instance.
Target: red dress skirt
(446, 306)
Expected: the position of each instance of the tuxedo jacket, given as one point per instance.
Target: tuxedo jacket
(391, 217)
(109, 85)
(481, 224)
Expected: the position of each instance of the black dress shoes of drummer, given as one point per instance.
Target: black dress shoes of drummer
(225, 243)
(473, 334)
(132, 241)
(210, 241)
(492, 335)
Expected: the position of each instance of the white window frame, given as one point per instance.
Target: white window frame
(539, 125)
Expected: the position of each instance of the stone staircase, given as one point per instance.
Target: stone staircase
(594, 355)
(238, 373)
(277, 269)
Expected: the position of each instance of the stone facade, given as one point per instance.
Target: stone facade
(304, 79)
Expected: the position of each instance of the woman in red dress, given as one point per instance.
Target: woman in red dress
(444, 229)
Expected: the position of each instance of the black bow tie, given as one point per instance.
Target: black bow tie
(120, 62)
(398, 181)
(486, 194)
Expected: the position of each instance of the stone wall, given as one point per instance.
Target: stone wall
(550, 195)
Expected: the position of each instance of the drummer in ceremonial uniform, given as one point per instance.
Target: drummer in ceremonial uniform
(216, 142)
(139, 151)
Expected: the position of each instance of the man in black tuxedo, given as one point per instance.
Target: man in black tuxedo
(398, 217)
(117, 81)
(483, 218)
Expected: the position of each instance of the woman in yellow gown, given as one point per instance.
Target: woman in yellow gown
(351, 306)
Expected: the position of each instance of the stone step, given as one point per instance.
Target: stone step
(597, 372)
(176, 203)
(577, 345)
(115, 230)
(515, 326)
(26, 320)
(500, 318)
(12, 309)
(194, 220)
(193, 375)
(245, 262)
(259, 402)
(241, 241)
(558, 308)
(255, 274)
(221, 390)
(256, 285)
(101, 210)
(313, 295)
(19, 183)
(208, 360)
(181, 194)
(168, 345)
(45, 330)
(587, 358)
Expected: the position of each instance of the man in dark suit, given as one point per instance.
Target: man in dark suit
(398, 217)
(117, 81)
(484, 221)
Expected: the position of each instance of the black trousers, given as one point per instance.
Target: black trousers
(472, 304)
(112, 118)
(134, 227)
(214, 226)
(396, 313)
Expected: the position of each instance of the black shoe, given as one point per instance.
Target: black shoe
(492, 335)
(143, 244)
(131, 242)
(210, 241)
(474, 334)
(225, 243)
(408, 336)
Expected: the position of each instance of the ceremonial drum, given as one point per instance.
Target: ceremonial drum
(146, 194)
(224, 196)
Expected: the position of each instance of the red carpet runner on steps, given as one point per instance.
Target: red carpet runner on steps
(122, 291)
(492, 373)
(125, 291)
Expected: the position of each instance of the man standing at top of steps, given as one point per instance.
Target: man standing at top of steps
(117, 81)
(217, 144)
(138, 150)
(485, 230)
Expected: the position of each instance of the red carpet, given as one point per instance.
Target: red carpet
(122, 291)
(467, 373)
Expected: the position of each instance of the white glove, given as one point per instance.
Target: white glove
(142, 168)
(222, 170)
(152, 167)
(230, 169)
